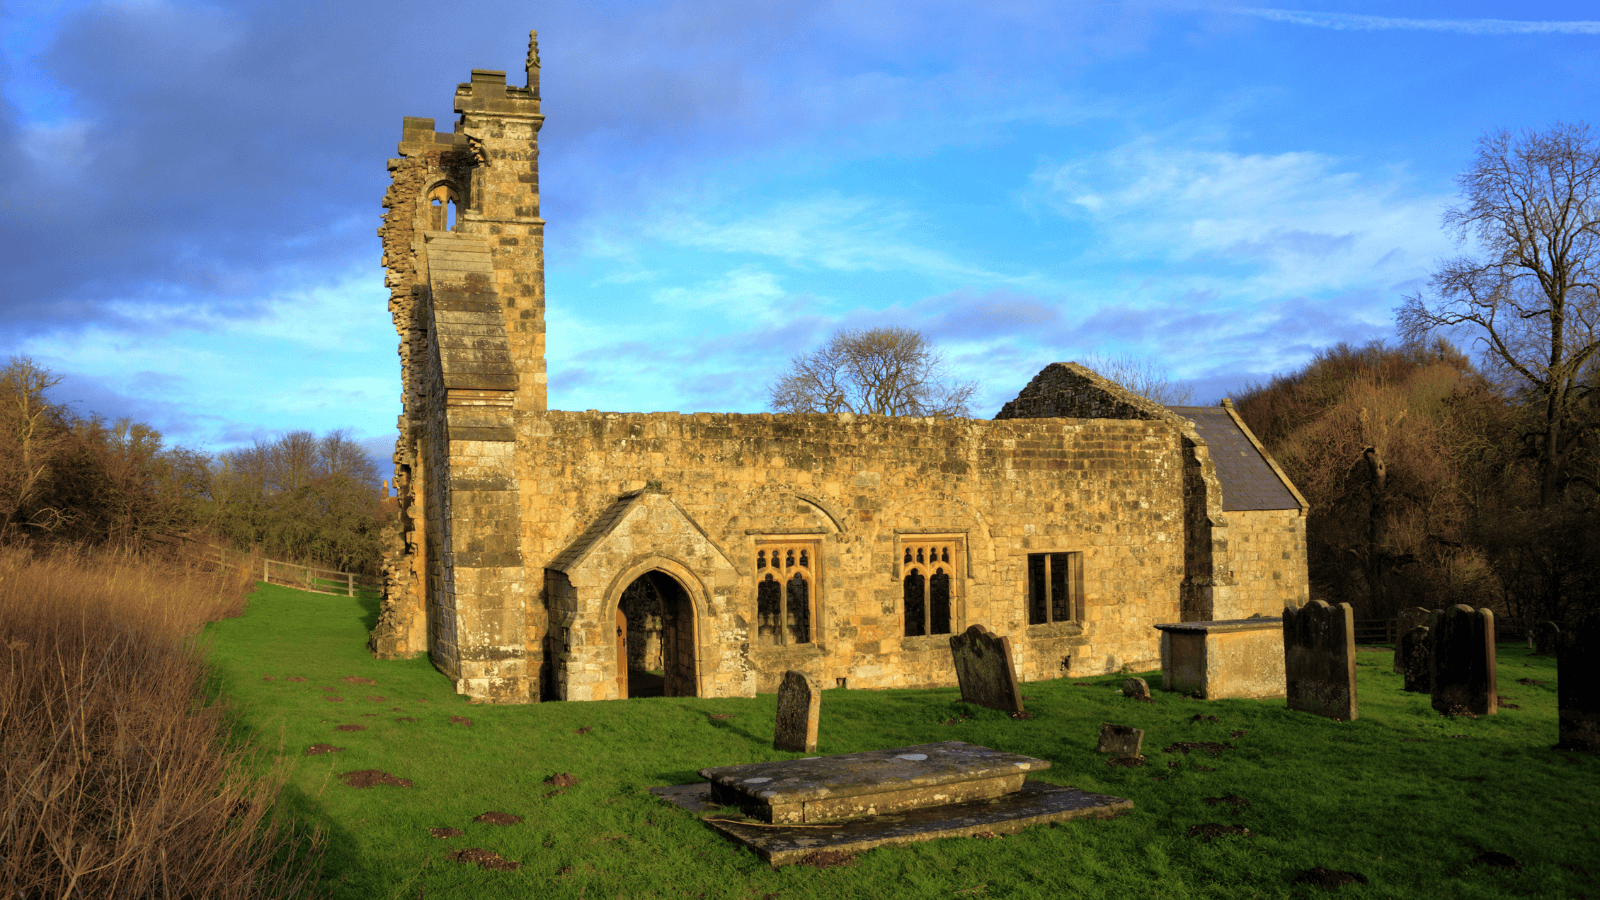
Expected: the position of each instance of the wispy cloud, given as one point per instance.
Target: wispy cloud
(1353, 22)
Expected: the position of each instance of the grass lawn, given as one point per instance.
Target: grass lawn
(1403, 796)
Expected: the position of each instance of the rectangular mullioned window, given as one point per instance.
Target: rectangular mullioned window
(1055, 587)
(786, 592)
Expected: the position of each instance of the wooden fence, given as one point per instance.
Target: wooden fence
(306, 578)
(1376, 631)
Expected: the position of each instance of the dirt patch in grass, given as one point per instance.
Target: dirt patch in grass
(1211, 747)
(357, 679)
(349, 728)
(1528, 682)
(1200, 718)
(564, 780)
(1234, 800)
(294, 678)
(483, 859)
(1210, 831)
(584, 730)
(826, 859)
(366, 778)
(497, 818)
(954, 719)
(722, 715)
(444, 834)
(319, 749)
(1329, 878)
(334, 699)
(1125, 762)
(461, 720)
(1498, 860)
(375, 699)
(1237, 734)
(330, 690)
(268, 678)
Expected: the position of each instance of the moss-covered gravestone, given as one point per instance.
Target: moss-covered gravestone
(983, 668)
(1406, 620)
(1415, 645)
(1463, 661)
(1578, 688)
(1319, 658)
(1121, 740)
(799, 711)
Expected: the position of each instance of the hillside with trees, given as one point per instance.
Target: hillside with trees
(79, 479)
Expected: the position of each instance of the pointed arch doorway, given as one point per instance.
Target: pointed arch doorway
(655, 638)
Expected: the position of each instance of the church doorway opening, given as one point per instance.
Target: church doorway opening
(655, 638)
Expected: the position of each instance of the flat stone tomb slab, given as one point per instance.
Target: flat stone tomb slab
(851, 785)
(1035, 803)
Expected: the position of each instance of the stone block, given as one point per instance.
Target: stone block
(1578, 688)
(984, 670)
(1319, 656)
(1463, 659)
(1122, 740)
(799, 710)
(1136, 688)
(1406, 620)
(1415, 649)
(1236, 658)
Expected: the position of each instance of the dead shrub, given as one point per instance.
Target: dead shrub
(119, 779)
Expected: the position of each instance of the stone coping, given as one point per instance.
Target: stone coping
(1036, 803)
(790, 781)
(1222, 626)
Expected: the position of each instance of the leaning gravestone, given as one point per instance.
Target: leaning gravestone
(1463, 661)
(1406, 620)
(1136, 688)
(1546, 638)
(1578, 688)
(799, 709)
(1319, 658)
(983, 668)
(1122, 740)
(1418, 660)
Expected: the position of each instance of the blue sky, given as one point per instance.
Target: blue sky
(190, 190)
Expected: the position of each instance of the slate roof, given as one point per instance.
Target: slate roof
(1248, 480)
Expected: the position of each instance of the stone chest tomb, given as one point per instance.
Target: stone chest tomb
(549, 554)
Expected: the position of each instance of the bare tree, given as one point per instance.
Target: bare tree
(883, 371)
(1532, 202)
(30, 434)
(1142, 377)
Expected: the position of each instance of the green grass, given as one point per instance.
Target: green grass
(1411, 816)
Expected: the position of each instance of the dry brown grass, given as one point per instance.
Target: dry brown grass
(119, 780)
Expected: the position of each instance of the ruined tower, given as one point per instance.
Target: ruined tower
(464, 247)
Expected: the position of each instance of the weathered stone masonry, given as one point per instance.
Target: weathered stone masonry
(848, 548)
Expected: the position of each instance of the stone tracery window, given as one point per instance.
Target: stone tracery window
(786, 589)
(1055, 587)
(930, 582)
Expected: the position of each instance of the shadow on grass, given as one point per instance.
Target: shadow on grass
(370, 604)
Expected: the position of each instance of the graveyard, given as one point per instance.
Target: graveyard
(422, 793)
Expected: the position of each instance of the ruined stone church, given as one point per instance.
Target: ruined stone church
(546, 554)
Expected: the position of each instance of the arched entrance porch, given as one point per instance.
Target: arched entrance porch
(655, 638)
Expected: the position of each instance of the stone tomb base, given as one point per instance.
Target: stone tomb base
(858, 801)
(1224, 659)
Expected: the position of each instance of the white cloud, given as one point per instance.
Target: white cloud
(1353, 22)
(1256, 225)
(739, 294)
(848, 234)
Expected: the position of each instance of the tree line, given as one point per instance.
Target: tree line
(85, 480)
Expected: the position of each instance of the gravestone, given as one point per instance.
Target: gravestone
(799, 709)
(1462, 672)
(1319, 659)
(1578, 688)
(1405, 620)
(1137, 688)
(1418, 660)
(1546, 638)
(1123, 740)
(983, 668)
